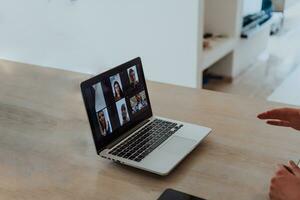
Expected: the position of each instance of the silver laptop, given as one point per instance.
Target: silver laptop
(124, 127)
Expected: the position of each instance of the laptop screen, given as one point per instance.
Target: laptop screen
(116, 101)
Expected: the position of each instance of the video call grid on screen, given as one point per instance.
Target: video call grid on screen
(119, 99)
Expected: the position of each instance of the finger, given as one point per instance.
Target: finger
(262, 115)
(274, 192)
(295, 168)
(279, 123)
(293, 164)
(281, 114)
(282, 170)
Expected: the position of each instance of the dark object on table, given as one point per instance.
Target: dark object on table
(171, 194)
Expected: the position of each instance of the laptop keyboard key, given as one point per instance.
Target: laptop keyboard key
(137, 147)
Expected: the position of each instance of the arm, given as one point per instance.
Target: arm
(286, 117)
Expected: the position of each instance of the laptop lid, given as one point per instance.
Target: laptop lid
(116, 101)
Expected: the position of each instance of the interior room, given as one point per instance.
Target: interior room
(150, 100)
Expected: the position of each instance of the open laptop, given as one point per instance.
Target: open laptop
(124, 128)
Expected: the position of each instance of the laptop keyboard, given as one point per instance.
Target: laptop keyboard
(138, 146)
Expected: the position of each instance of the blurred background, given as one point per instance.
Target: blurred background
(243, 47)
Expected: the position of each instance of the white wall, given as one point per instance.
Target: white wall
(221, 17)
(252, 6)
(91, 35)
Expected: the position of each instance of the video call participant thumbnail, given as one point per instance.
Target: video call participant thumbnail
(117, 87)
(104, 123)
(133, 77)
(138, 102)
(101, 110)
(97, 91)
(123, 112)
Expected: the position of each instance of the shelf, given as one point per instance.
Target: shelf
(220, 48)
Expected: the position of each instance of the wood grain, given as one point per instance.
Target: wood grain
(47, 152)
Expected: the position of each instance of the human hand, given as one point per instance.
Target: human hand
(287, 117)
(285, 185)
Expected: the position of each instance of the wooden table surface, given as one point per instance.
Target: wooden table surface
(47, 151)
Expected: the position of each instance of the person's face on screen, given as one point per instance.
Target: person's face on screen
(138, 98)
(132, 76)
(117, 89)
(124, 111)
(101, 117)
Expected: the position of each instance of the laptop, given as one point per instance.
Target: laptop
(123, 125)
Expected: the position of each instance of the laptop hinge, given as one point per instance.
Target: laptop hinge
(117, 141)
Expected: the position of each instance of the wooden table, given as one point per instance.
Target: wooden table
(47, 152)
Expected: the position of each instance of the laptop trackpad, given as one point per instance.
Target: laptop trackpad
(178, 145)
(165, 158)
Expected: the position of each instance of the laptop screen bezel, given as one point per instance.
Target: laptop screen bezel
(101, 143)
